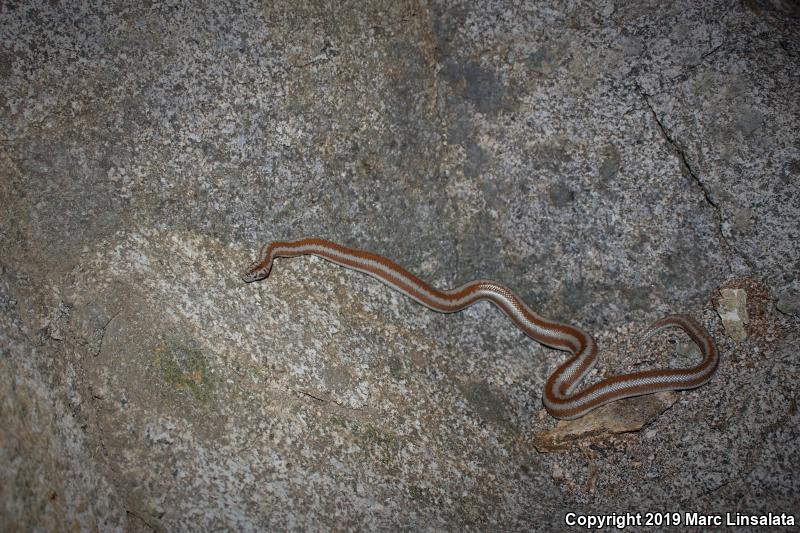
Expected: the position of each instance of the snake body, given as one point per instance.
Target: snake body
(560, 397)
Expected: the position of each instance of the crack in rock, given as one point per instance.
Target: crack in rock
(684, 160)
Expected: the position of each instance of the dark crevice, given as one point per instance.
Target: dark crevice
(681, 154)
(684, 161)
(101, 333)
(685, 73)
(712, 51)
(320, 399)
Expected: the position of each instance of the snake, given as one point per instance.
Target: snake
(561, 397)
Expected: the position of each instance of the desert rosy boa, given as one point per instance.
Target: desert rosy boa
(560, 397)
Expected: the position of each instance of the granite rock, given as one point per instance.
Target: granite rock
(612, 162)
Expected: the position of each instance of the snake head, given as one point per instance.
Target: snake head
(256, 272)
(261, 267)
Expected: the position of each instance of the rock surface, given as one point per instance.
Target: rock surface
(613, 162)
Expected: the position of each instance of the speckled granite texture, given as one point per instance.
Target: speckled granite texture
(612, 161)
